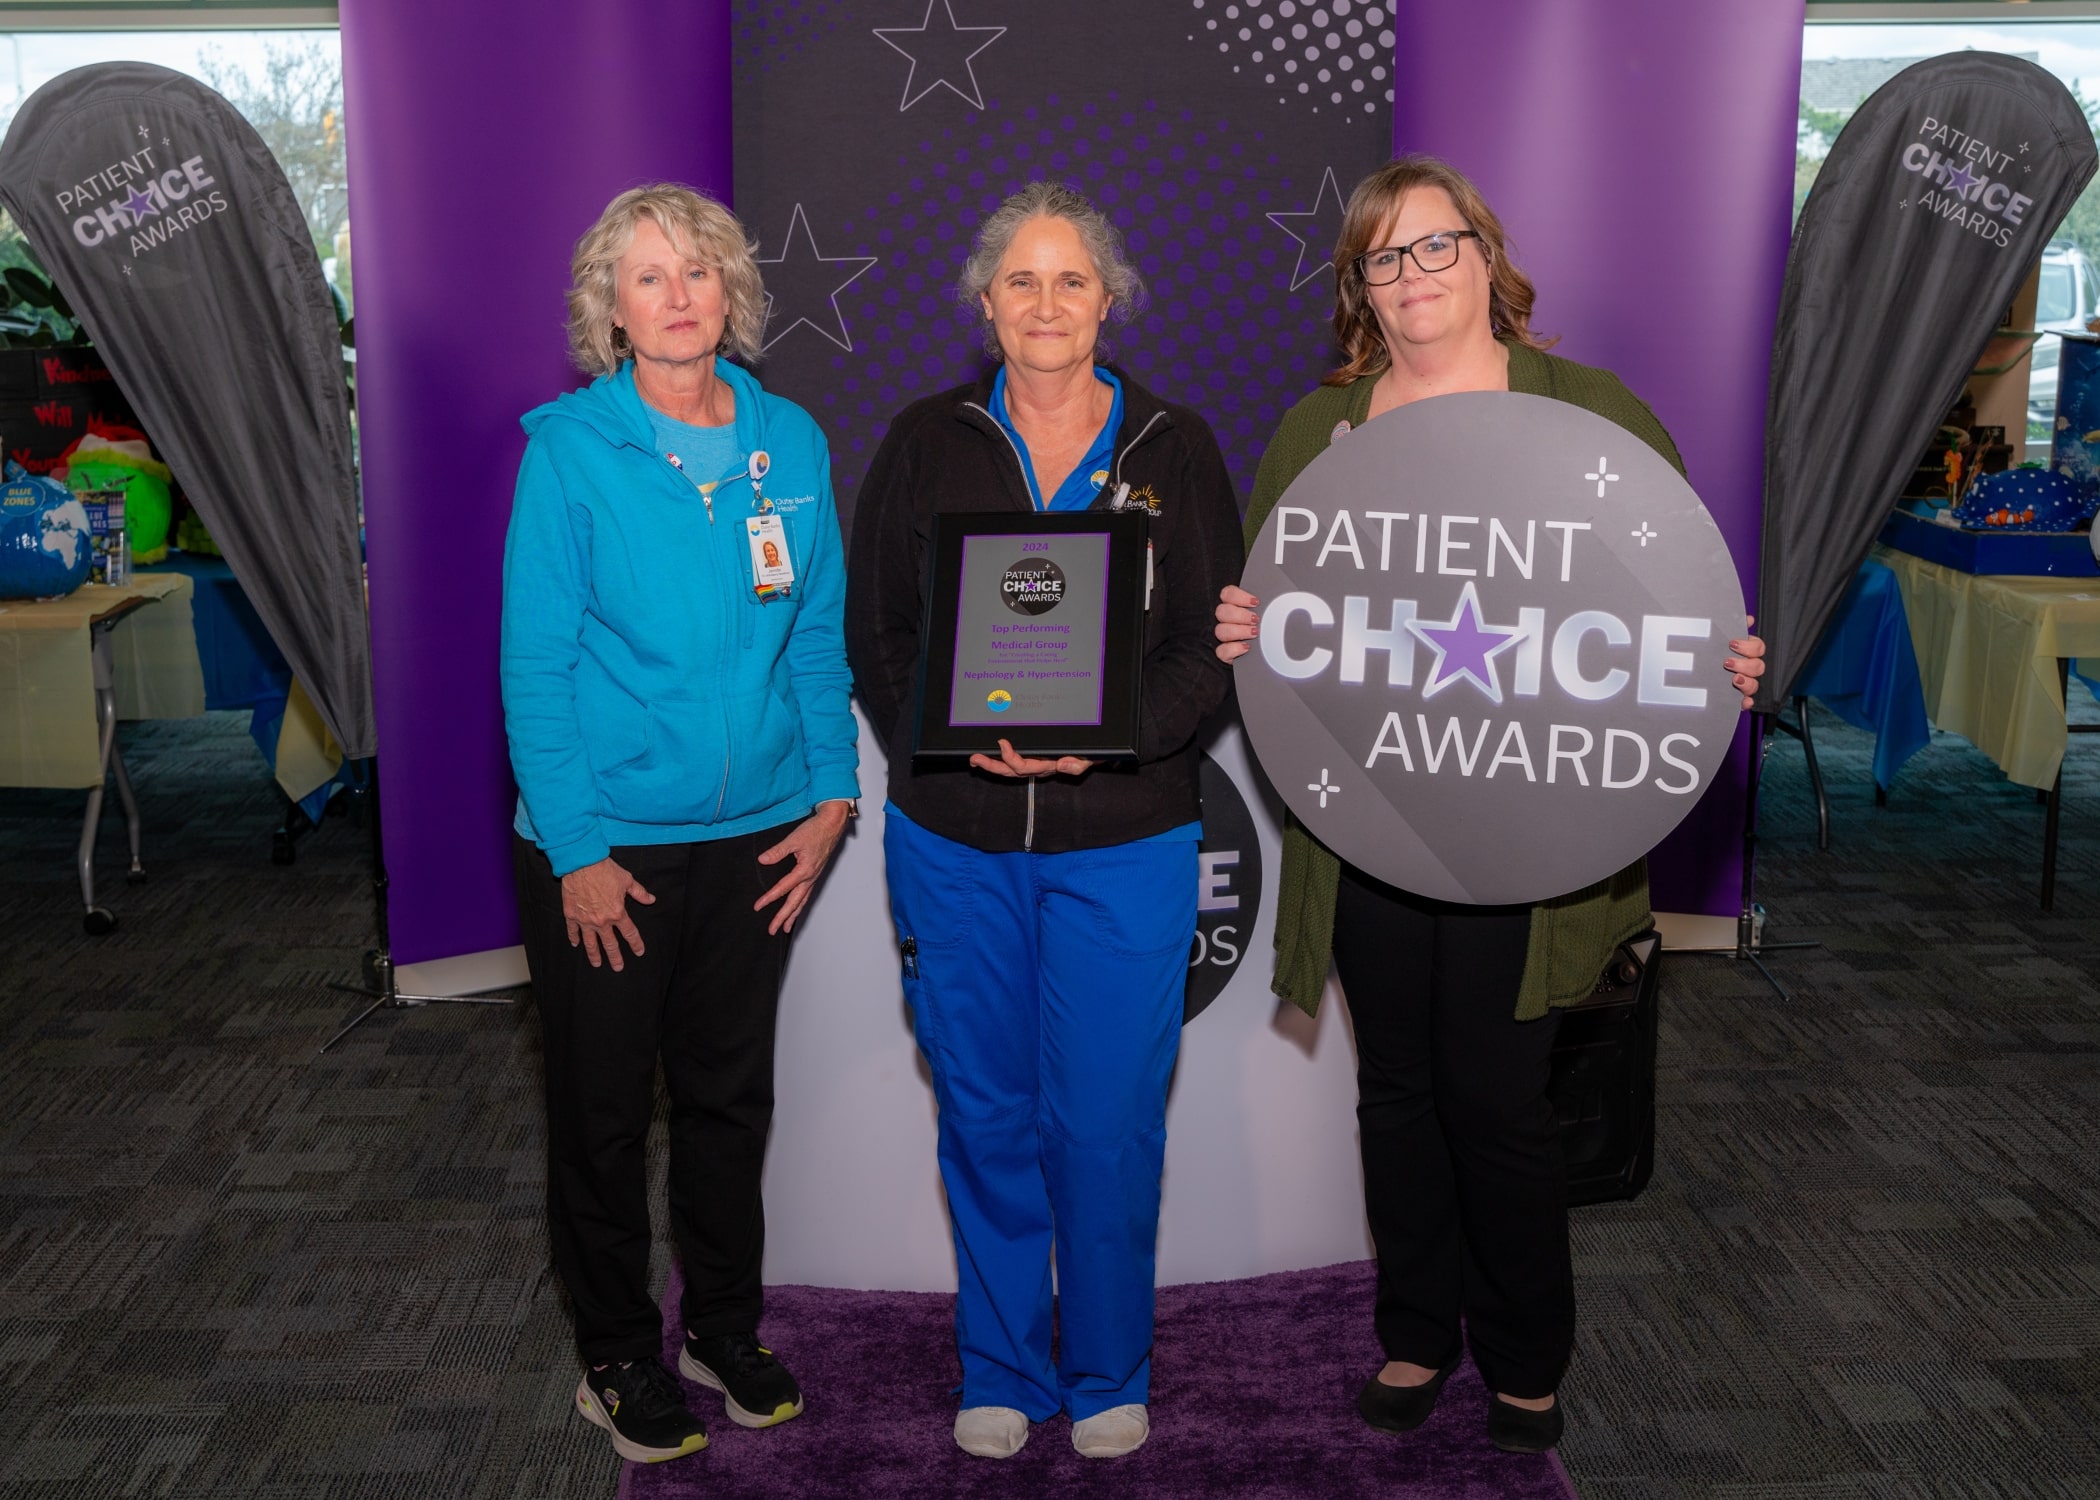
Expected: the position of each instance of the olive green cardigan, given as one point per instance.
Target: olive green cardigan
(1572, 936)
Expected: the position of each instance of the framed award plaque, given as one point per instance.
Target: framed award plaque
(1033, 633)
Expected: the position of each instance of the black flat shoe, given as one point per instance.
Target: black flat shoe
(1515, 1430)
(1401, 1408)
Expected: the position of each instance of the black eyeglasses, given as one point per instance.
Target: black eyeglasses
(1432, 252)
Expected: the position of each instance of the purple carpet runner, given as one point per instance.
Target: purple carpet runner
(1253, 1395)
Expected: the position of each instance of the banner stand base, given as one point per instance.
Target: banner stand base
(1750, 922)
(382, 985)
(384, 992)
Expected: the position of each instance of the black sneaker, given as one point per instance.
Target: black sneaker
(756, 1387)
(641, 1406)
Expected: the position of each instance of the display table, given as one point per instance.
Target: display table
(244, 669)
(1994, 657)
(69, 669)
(242, 665)
(48, 731)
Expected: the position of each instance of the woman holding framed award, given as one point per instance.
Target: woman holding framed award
(1045, 904)
(1453, 1005)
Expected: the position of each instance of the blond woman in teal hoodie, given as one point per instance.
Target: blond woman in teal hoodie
(675, 695)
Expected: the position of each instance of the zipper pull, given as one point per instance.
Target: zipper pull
(911, 958)
(707, 498)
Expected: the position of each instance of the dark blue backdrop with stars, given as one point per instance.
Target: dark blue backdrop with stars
(873, 135)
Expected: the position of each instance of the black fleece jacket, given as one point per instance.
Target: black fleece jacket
(947, 453)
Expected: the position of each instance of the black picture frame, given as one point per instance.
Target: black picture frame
(1122, 636)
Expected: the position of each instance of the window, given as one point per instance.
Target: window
(288, 84)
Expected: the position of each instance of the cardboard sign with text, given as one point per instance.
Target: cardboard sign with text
(1492, 628)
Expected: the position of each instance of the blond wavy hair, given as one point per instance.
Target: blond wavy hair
(698, 227)
(1371, 207)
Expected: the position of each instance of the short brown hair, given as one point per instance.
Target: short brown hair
(694, 223)
(1376, 199)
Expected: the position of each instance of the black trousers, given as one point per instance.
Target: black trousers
(702, 998)
(1463, 1179)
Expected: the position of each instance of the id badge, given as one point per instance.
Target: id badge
(772, 567)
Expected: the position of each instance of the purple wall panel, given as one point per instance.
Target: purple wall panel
(1641, 155)
(483, 141)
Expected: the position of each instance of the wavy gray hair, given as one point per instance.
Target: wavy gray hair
(699, 227)
(1049, 200)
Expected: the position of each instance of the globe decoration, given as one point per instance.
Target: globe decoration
(45, 548)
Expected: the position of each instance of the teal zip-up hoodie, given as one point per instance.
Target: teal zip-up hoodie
(650, 695)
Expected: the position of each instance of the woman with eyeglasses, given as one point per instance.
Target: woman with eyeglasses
(1454, 1006)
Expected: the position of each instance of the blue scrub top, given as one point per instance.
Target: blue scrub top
(1085, 480)
(1076, 493)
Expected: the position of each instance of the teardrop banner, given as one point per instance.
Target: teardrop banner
(176, 239)
(1492, 628)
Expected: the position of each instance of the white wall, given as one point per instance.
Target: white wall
(1261, 1170)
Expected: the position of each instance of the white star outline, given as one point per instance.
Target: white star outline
(975, 98)
(1299, 275)
(798, 217)
(1492, 687)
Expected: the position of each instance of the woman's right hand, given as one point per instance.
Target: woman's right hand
(1237, 623)
(594, 904)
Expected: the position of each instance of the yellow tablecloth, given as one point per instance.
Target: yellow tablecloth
(47, 676)
(1987, 650)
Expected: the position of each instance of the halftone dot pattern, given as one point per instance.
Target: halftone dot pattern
(1220, 331)
(778, 30)
(1335, 55)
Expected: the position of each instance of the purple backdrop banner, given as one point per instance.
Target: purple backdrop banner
(483, 142)
(1641, 155)
(1641, 152)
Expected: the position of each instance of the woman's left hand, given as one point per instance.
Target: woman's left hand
(812, 844)
(1022, 767)
(1747, 665)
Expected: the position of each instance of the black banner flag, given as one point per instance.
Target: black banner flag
(171, 230)
(1932, 207)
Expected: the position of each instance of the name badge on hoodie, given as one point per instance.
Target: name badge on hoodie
(772, 568)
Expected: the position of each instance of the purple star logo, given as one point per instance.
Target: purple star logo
(138, 205)
(1960, 182)
(1465, 646)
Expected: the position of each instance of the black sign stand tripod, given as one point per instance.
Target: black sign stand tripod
(1750, 921)
(381, 985)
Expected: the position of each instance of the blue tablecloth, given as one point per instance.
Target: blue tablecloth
(1866, 672)
(242, 666)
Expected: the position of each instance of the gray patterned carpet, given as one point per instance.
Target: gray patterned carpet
(1869, 1264)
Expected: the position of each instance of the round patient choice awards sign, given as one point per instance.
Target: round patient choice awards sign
(1492, 628)
(1228, 889)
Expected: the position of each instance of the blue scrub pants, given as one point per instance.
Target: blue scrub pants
(1046, 994)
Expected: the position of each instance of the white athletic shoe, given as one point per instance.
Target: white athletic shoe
(991, 1431)
(1112, 1433)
